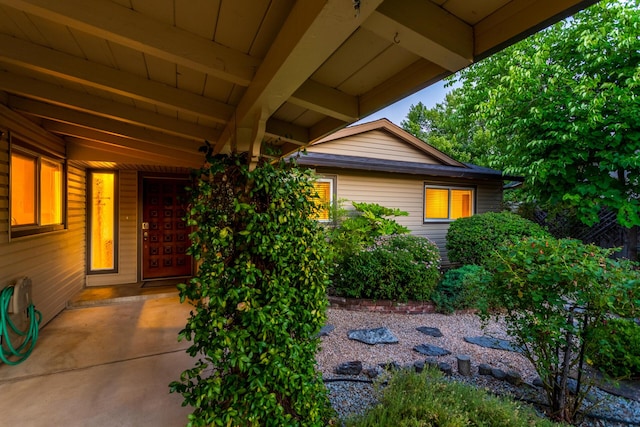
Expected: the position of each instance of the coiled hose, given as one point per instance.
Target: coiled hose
(30, 336)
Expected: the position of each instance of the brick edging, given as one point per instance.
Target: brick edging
(382, 306)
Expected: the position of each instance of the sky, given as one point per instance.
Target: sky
(397, 112)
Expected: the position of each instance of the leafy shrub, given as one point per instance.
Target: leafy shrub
(471, 240)
(358, 231)
(459, 288)
(552, 291)
(429, 400)
(397, 267)
(615, 347)
(259, 297)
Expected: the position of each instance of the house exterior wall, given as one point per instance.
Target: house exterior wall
(54, 261)
(406, 192)
(375, 144)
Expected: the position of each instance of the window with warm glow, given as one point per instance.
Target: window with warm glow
(102, 221)
(324, 190)
(444, 203)
(36, 193)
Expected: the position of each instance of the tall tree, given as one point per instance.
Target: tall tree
(562, 109)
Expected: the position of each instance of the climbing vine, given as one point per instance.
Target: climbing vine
(259, 297)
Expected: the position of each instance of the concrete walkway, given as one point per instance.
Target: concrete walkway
(102, 366)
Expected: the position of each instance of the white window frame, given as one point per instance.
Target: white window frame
(332, 195)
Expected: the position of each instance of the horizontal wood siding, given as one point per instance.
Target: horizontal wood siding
(375, 144)
(55, 262)
(405, 192)
(127, 234)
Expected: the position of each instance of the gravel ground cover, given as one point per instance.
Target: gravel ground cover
(351, 396)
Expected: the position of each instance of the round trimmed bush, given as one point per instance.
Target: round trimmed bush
(471, 240)
(459, 288)
(396, 267)
(614, 348)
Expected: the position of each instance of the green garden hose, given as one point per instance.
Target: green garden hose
(30, 336)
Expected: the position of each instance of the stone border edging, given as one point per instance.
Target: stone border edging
(382, 306)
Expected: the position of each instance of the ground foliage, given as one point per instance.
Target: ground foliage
(259, 297)
(429, 400)
(472, 240)
(553, 292)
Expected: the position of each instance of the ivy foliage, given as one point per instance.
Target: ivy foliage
(552, 292)
(259, 297)
(472, 240)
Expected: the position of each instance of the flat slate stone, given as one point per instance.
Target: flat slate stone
(433, 332)
(490, 342)
(349, 368)
(326, 330)
(373, 336)
(431, 350)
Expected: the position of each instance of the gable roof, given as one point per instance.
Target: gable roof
(448, 167)
(386, 126)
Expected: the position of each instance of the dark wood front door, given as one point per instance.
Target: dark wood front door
(165, 236)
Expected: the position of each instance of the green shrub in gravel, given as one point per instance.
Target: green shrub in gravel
(471, 240)
(397, 267)
(429, 400)
(614, 348)
(459, 288)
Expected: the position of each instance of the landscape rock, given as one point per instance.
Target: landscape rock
(445, 368)
(373, 336)
(349, 368)
(484, 369)
(373, 373)
(390, 366)
(326, 330)
(498, 374)
(418, 365)
(514, 377)
(431, 350)
(490, 342)
(433, 332)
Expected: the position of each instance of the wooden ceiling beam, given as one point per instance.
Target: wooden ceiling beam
(79, 101)
(417, 76)
(61, 114)
(425, 29)
(312, 32)
(518, 19)
(186, 150)
(97, 151)
(286, 131)
(121, 25)
(331, 102)
(68, 67)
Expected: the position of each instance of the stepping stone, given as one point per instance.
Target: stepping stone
(349, 368)
(431, 350)
(373, 336)
(326, 330)
(498, 374)
(484, 369)
(490, 342)
(433, 332)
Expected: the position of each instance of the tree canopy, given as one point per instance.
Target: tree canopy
(561, 108)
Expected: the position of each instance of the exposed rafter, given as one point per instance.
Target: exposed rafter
(61, 114)
(313, 30)
(124, 26)
(326, 100)
(49, 93)
(72, 68)
(426, 30)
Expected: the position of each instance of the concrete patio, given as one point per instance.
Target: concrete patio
(107, 363)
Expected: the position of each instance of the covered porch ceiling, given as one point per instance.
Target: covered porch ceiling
(148, 81)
